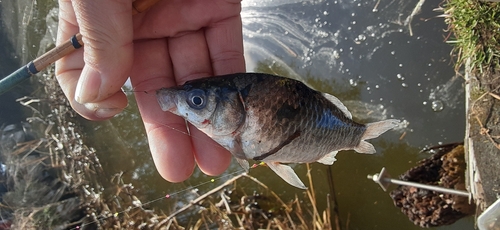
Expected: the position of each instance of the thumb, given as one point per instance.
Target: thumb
(106, 28)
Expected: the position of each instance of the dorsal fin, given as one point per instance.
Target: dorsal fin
(339, 104)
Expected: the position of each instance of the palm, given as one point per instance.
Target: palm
(174, 42)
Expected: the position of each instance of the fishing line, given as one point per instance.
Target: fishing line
(166, 196)
(138, 91)
(188, 127)
(171, 194)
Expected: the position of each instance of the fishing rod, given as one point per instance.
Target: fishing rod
(51, 56)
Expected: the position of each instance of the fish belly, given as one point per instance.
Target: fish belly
(297, 141)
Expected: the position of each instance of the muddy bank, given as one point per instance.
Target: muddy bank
(483, 138)
(475, 33)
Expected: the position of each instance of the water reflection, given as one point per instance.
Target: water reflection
(367, 58)
(371, 52)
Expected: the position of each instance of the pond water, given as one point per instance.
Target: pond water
(360, 51)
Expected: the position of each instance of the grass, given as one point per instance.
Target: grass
(231, 206)
(476, 29)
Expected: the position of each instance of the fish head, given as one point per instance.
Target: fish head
(195, 105)
(217, 111)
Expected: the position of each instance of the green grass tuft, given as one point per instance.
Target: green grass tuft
(476, 28)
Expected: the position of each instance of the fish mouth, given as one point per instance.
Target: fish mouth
(167, 98)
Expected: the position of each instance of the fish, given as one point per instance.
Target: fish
(272, 119)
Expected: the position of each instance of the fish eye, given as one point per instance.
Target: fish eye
(196, 99)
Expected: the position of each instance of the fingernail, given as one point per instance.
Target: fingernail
(107, 113)
(87, 89)
(102, 112)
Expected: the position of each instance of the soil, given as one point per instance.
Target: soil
(483, 138)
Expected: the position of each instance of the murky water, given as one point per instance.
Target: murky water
(360, 51)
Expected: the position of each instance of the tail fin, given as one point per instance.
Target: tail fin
(374, 130)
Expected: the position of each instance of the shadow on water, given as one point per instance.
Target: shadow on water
(10, 110)
(360, 52)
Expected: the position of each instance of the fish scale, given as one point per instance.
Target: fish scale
(301, 108)
(271, 119)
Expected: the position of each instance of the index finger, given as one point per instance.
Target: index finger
(169, 143)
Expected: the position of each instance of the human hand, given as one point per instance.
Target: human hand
(174, 41)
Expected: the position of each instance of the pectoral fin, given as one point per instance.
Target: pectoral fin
(286, 172)
(329, 158)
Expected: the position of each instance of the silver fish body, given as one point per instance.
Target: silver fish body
(271, 119)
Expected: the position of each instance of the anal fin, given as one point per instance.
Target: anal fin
(329, 158)
(286, 173)
(365, 147)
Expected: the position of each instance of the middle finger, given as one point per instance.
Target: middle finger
(191, 60)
